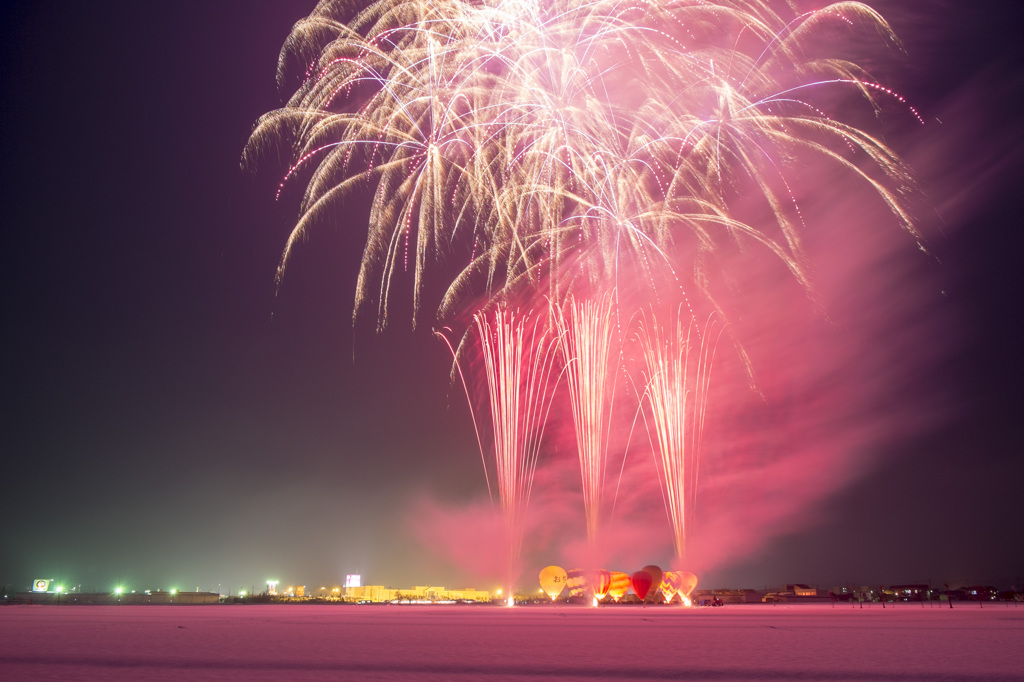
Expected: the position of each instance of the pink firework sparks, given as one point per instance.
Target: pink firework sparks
(517, 355)
(588, 341)
(678, 359)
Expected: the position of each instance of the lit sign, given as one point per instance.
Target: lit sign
(353, 580)
(40, 585)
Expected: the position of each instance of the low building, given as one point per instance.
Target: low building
(915, 592)
(727, 596)
(981, 592)
(378, 594)
(797, 593)
(802, 590)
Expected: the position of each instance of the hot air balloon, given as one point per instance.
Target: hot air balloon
(602, 583)
(619, 586)
(552, 581)
(576, 581)
(656, 576)
(671, 581)
(641, 583)
(689, 582)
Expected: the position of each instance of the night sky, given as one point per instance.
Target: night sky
(171, 420)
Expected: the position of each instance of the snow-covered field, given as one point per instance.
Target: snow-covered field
(314, 642)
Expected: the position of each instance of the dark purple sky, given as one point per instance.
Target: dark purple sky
(169, 421)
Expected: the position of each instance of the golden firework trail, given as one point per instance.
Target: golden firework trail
(566, 143)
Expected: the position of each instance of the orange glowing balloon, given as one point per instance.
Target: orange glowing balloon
(619, 586)
(552, 581)
(689, 582)
(671, 581)
(641, 582)
(576, 581)
(601, 582)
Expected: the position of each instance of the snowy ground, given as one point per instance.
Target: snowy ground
(313, 642)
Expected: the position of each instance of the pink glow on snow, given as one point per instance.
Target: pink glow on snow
(557, 642)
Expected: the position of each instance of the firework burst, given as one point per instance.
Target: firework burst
(558, 148)
(568, 142)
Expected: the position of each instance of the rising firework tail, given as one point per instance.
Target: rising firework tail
(517, 356)
(678, 359)
(591, 354)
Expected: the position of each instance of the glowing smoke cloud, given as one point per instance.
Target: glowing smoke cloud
(559, 147)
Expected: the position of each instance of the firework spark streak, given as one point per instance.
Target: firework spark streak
(518, 358)
(678, 360)
(591, 357)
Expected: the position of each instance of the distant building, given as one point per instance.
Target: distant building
(802, 590)
(174, 598)
(981, 592)
(426, 593)
(728, 596)
(796, 592)
(916, 592)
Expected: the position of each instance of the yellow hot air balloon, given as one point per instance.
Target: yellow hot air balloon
(671, 581)
(552, 581)
(576, 581)
(620, 585)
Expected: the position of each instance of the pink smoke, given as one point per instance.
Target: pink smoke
(840, 374)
